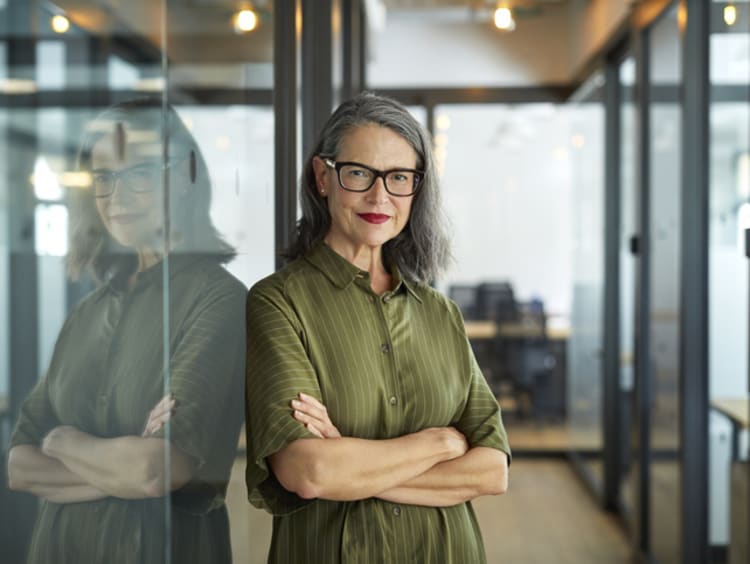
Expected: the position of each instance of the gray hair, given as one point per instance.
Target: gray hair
(422, 250)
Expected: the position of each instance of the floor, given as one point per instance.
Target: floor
(546, 517)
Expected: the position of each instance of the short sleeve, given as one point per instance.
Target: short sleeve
(480, 421)
(36, 419)
(278, 368)
(206, 375)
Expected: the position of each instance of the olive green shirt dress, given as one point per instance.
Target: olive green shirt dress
(384, 366)
(104, 378)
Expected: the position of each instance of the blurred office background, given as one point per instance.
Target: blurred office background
(595, 163)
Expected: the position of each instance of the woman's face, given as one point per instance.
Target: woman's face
(373, 217)
(127, 177)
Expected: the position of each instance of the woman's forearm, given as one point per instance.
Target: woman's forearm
(481, 471)
(346, 469)
(128, 467)
(30, 470)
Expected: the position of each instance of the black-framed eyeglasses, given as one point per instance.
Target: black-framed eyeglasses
(356, 177)
(139, 179)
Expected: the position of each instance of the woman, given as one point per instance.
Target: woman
(91, 438)
(410, 432)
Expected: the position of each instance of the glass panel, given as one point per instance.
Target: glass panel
(132, 220)
(628, 229)
(728, 280)
(517, 312)
(586, 339)
(664, 232)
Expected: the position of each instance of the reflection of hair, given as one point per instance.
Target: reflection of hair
(421, 251)
(91, 246)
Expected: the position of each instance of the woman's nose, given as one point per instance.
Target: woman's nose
(378, 192)
(120, 193)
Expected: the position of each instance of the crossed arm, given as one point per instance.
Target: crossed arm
(72, 466)
(432, 467)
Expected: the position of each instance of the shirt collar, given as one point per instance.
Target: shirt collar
(342, 273)
(153, 275)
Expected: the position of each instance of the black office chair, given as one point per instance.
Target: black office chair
(465, 296)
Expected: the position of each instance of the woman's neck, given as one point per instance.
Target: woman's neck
(365, 258)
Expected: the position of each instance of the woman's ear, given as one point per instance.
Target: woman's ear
(320, 170)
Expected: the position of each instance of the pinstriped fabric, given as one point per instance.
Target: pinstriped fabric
(384, 366)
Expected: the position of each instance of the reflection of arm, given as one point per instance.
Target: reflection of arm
(348, 468)
(32, 471)
(481, 471)
(128, 467)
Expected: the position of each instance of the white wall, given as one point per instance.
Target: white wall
(446, 48)
(507, 190)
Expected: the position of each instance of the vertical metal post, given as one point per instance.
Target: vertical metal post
(694, 389)
(317, 77)
(285, 122)
(353, 45)
(643, 376)
(612, 411)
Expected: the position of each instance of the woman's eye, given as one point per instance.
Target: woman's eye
(358, 172)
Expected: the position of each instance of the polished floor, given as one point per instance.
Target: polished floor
(547, 517)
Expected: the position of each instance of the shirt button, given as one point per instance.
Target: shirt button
(386, 299)
(393, 400)
(397, 511)
(385, 347)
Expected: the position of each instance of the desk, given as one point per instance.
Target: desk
(481, 330)
(737, 410)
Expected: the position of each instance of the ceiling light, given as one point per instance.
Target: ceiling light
(504, 20)
(59, 24)
(245, 21)
(730, 14)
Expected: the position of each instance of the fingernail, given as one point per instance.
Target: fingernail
(303, 396)
(295, 403)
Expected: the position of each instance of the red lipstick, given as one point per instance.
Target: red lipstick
(376, 218)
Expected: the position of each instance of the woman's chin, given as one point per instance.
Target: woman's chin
(135, 238)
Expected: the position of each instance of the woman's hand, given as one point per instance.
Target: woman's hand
(54, 442)
(314, 416)
(160, 414)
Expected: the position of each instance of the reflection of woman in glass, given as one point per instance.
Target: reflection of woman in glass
(408, 431)
(91, 440)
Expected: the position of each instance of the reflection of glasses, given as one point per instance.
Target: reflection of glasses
(139, 179)
(356, 177)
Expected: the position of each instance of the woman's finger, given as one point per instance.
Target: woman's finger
(167, 404)
(314, 430)
(314, 408)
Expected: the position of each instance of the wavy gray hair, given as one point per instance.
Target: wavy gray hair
(422, 250)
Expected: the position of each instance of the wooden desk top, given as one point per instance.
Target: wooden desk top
(490, 329)
(737, 409)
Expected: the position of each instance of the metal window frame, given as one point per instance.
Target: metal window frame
(694, 381)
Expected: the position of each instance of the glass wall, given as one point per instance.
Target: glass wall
(136, 207)
(585, 366)
(513, 241)
(664, 283)
(628, 232)
(729, 218)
